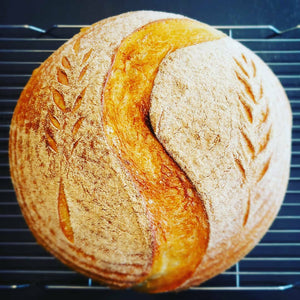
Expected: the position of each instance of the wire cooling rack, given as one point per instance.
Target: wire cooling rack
(274, 264)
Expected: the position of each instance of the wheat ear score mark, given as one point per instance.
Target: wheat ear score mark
(59, 100)
(54, 121)
(78, 101)
(247, 86)
(77, 125)
(51, 142)
(86, 56)
(68, 67)
(66, 63)
(251, 103)
(82, 73)
(62, 77)
(246, 215)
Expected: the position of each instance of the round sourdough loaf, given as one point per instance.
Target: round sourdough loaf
(150, 151)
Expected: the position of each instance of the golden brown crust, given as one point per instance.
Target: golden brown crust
(214, 108)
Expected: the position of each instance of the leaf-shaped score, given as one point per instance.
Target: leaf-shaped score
(64, 214)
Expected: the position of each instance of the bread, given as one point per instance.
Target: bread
(150, 151)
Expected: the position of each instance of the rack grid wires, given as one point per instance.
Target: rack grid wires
(274, 264)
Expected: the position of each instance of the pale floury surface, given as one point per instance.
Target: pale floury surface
(224, 118)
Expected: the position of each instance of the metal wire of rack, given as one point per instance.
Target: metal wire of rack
(273, 265)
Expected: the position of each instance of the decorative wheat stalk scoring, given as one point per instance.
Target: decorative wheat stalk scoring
(69, 75)
(249, 100)
(256, 115)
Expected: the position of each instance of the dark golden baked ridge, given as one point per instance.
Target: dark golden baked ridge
(147, 151)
